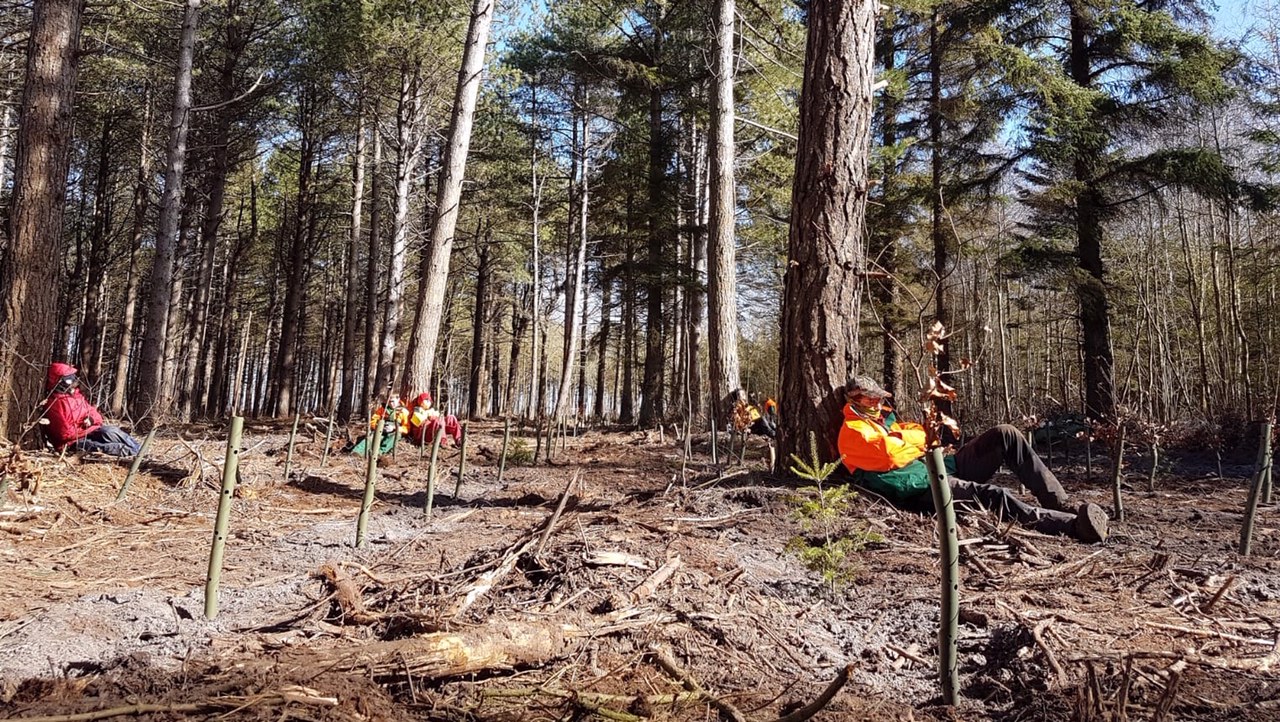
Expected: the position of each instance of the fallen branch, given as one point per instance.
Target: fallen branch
(486, 581)
(667, 662)
(1037, 633)
(555, 516)
(498, 645)
(1235, 664)
(823, 699)
(285, 695)
(650, 585)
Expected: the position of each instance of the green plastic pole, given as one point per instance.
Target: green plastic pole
(370, 482)
(1255, 491)
(229, 468)
(949, 551)
(328, 439)
(506, 439)
(1117, 473)
(293, 436)
(137, 462)
(431, 471)
(462, 461)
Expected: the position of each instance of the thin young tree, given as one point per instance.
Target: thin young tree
(151, 402)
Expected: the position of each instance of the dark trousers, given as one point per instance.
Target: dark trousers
(978, 461)
(108, 440)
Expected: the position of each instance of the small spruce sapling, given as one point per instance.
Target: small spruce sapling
(820, 509)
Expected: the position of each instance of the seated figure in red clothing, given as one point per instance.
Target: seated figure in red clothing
(425, 421)
(74, 423)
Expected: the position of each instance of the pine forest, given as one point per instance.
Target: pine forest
(639, 359)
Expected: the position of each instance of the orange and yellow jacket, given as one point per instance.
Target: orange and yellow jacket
(400, 414)
(885, 454)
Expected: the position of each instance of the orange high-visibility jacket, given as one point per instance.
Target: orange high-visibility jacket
(867, 444)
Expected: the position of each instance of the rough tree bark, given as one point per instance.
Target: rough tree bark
(151, 403)
(823, 282)
(28, 312)
(426, 326)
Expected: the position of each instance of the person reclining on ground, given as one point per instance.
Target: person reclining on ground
(884, 455)
(426, 421)
(76, 424)
(394, 418)
(747, 416)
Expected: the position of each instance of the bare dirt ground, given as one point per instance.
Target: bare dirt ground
(473, 613)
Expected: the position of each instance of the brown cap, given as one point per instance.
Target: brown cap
(866, 386)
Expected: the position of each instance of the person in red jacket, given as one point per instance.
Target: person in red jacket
(425, 421)
(76, 424)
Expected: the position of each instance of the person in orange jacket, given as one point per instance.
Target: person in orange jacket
(394, 418)
(885, 455)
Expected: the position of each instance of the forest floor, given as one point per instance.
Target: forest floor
(473, 613)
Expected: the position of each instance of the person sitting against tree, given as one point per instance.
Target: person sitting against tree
(884, 455)
(76, 424)
(426, 421)
(394, 418)
(747, 417)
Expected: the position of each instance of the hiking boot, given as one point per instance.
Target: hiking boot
(1091, 524)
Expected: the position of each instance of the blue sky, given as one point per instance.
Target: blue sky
(1234, 18)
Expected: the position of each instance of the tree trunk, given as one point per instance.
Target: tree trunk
(475, 378)
(151, 403)
(295, 272)
(823, 282)
(883, 235)
(698, 238)
(408, 152)
(937, 229)
(519, 325)
(426, 327)
(371, 294)
(574, 291)
(28, 308)
(722, 271)
(1091, 290)
(535, 262)
(651, 407)
(606, 301)
(626, 408)
(349, 317)
(91, 331)
(142, 185)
